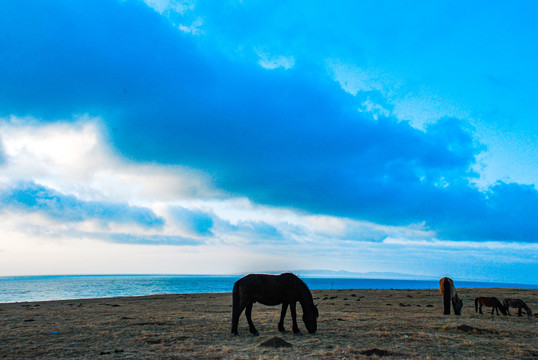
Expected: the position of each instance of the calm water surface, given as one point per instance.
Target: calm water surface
(42, 288)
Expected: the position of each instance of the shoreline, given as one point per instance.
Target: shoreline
(405, 323)
(70, 287)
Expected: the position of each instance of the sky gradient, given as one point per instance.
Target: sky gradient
(239, 136)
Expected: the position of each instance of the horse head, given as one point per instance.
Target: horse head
(458, 304)
(310, 319)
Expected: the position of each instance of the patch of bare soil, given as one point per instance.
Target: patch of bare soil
(353, 324)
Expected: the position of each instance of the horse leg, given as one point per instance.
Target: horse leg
(293, 306)
(236, 313)
(248, 314)
(282, 315)
(480, 309)
(519, 311)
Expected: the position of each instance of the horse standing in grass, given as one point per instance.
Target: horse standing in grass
(489, 301)
(449, 294)
(285, 289)
(517, 303)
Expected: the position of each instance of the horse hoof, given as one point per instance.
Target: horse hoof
(256, 334)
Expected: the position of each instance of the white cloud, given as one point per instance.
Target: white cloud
(165, 6)
(271, 62)
(355, 79)
(76, 159)
(194, 28)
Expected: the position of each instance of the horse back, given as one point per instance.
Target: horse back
(446, 286)
(267, 289)
(489, 301)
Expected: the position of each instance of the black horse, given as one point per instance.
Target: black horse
(285, 289)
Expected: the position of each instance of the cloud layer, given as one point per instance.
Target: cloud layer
(289, 136)
(239, 145)
(31, 197)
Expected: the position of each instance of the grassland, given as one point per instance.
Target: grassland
(353, 324)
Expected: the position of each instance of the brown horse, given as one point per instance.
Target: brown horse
(489, 301)
(517, 303)
(449, 294)
(285, 289)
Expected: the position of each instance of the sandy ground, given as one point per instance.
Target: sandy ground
(353, 324)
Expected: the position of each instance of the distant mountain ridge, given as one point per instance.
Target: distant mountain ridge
(349, 274)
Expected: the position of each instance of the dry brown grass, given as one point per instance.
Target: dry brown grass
(353, 324)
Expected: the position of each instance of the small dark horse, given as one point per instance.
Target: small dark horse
(449, 294)
(285, 289)
(489, 301)
(517, 303)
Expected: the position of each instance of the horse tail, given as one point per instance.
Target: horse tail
(236, 308)
(235, 297)
(446, 296)
(476, 305)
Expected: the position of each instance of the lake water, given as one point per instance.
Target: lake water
(42, 288)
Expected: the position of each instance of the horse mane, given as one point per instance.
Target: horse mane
(303, 289)
(446, 294)
(306, 299)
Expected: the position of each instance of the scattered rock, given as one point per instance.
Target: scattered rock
(409, 296)
(389, 304)
(378, 352)
(471, 329)
(276, 343)
(117, 351)
(429, 305)
(154, 341)
(112, 305)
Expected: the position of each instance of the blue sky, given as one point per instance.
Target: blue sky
(166, 136)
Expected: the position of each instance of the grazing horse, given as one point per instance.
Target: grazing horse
(516, 303)
(285, 289)
(449, 294)
(489, 301)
